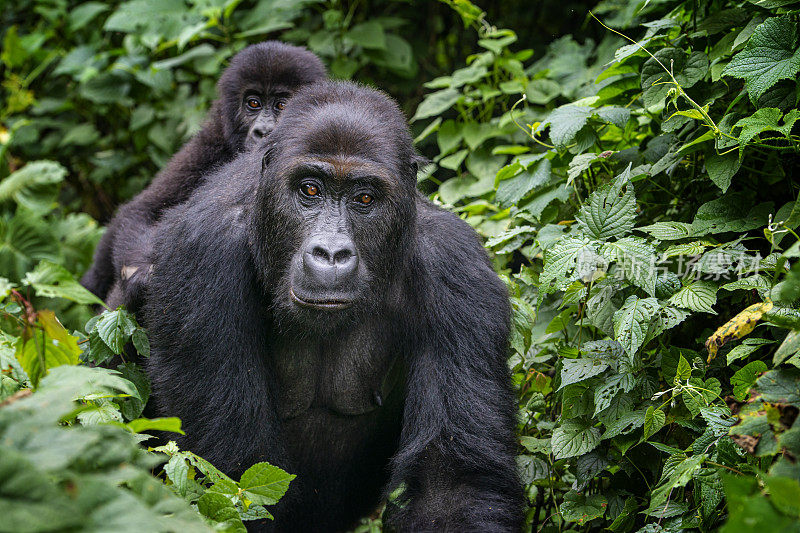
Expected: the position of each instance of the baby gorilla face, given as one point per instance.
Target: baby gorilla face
(260, 111)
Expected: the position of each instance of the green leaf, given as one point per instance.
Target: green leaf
(559, 262)
(632, 321)
(50, 280)
(581, 508)
(368, 35)
(565, 122)
(766, 119)
(771, 55)
(219, 508)
(669, 231)
(780, 386)
(698, 296)
(34, 186)
(688, 69)
(115, 328)
(436, 103)
(141, 425)
(636, 258)
(611, 209)
(265, 484)
(574, 437)
(784, 493)
(624, 424)
(789, 347)
(511, 191)
(575, 370)
(48, 347)
(654, 420)
(606, 392)
(744, 349)
(722, 168)
(745, 377)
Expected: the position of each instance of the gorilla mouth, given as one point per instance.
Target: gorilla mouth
(328, 304)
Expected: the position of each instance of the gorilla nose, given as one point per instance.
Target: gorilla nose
(330, 261)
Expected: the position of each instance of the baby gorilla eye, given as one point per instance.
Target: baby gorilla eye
(280, 105)
(253, 102)
(309, 189)
(364, 199)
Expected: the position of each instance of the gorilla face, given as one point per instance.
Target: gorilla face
(335, 203)
(259, 111)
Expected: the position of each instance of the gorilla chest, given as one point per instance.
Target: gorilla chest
(351, 375)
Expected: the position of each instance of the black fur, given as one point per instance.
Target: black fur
(272, 71)
(408, 384)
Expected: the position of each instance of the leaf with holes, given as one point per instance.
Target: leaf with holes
(559, 262)
(625, 424)
(575, 370)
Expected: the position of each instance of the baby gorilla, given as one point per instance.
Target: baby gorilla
(315, 311)
(252, 91)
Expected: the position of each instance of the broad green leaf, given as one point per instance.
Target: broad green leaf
(574, 437)
(722, 168)
(436, 103)
(688, 69)
(625, 424)
(780, 386)
(368, 35)
(449, 136)
(48, 347)
(575, 370)
(632, 321)
(220, 508)
(654, 420)
(141, 425)
(744, 349)
(34, 186)
(50, 280)
(581, 508)
(789, 347)
(766, 119)
(771, 55)
(511, 191)
(636, 258)
(745, 377)
(669, 231)
(605, 393)
(559, 262)
(611, 209)
(679, 476)
(265, 484)
(698, 296)
(115, 328)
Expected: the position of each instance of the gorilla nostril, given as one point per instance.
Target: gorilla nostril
(321, 253)
(342, 256)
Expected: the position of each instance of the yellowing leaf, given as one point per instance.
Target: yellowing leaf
(737, 327)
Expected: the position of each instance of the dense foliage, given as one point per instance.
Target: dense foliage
(636, 188)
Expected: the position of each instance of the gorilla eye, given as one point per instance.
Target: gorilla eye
(309, 189)
(253, 103)
(280, 105)
(364, 199)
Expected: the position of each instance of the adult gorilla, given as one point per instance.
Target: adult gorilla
(328, 319)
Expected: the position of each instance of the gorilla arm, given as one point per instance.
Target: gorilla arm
(207, 364)
(457, 452)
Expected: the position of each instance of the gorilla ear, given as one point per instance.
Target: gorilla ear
(417, 162)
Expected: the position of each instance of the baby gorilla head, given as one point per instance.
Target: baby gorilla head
(255, 87)
(336, 203)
